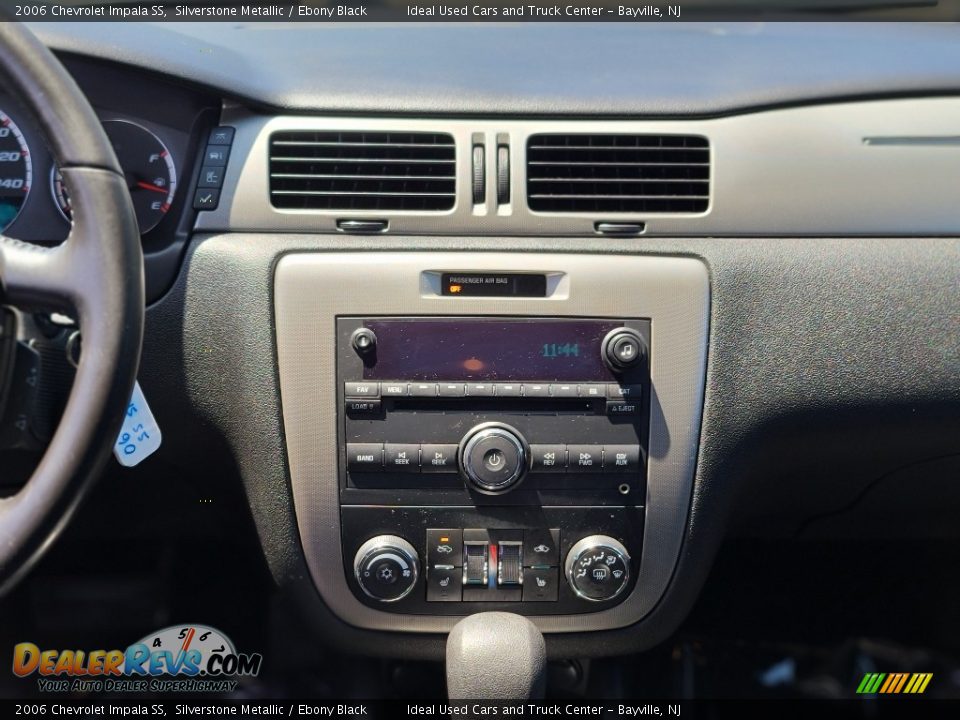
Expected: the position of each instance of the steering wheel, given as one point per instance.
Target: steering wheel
(96, 274)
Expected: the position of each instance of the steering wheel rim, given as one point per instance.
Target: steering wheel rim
(97, 274)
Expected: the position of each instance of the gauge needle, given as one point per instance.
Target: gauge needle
(148, 186)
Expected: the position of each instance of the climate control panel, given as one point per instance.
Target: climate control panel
(532, 561)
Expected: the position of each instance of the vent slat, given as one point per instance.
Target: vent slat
(618, 173)
(329, 170)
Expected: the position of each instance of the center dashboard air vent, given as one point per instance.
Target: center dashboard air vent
(335, 170)
(618, 173)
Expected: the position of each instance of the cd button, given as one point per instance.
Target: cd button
(438, 458)
(401, 458)
(548, 458)
(585, 458)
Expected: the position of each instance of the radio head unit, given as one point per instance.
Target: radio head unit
(531, 431)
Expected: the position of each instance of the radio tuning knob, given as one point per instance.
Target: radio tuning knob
(386, 568)
(623, 348)
(364, 341)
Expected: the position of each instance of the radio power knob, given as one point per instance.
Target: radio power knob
(386, 568)
(493, 458)
(598, 568)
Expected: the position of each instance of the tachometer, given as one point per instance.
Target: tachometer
(16, 170)
(148, 167)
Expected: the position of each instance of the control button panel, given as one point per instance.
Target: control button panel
(213, 168)
(481, 565)
(442, 458)
(459, 390)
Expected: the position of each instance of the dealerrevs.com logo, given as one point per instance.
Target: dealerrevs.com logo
(180, 658)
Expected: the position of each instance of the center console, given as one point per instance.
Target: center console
(473, 432)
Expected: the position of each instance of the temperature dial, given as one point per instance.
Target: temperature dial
(386, 567)
(598, 568)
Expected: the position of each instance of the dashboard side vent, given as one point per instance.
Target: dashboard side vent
(333, 170)
(618, 173)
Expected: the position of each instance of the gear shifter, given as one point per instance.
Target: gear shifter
(495, 656)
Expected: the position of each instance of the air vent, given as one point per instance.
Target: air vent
(618, 173)
(362, 171)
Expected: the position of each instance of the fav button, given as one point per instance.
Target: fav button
(361, 389)
(401, 458)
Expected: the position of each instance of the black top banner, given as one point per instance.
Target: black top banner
(335, 11)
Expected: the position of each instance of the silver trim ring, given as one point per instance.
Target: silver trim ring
(597, 541)
(482, 432)
(382, 544)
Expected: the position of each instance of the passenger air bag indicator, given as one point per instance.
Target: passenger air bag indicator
(494, 284)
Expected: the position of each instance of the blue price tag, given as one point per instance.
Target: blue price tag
(140, 435)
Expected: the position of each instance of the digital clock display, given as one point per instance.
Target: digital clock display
(489, 349)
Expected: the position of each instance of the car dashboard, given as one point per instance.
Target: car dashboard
(533, 345)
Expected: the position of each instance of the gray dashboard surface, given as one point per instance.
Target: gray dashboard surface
(642, 69)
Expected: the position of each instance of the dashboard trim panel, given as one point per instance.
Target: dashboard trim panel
(789, 172)
(312, 289)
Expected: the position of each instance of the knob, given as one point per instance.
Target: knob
(598, 568)
(363, 340)
(386, 567)
(493, 457)
(623, 348)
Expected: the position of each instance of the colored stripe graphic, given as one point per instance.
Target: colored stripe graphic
(894, 683)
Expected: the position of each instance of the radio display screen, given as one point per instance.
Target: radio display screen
(489, 349)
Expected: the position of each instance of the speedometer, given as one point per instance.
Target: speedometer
(16, 170)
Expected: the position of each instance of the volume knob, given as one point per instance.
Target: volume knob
(493, 457)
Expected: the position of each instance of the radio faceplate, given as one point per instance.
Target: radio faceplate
(499, 417)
